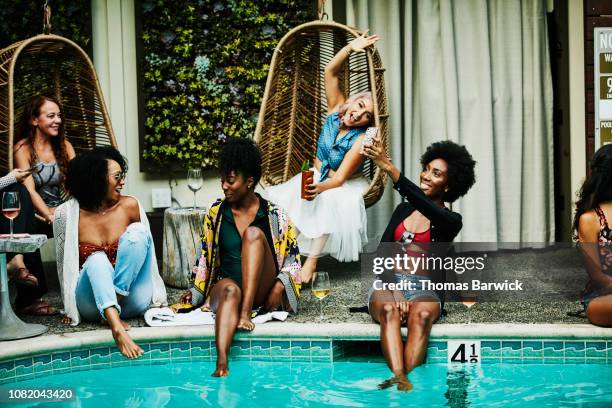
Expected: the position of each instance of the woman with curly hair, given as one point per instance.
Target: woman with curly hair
(250, 257)
(42, 148)
(332, 220)
(105, 255)
(447, 174)
(593, 210)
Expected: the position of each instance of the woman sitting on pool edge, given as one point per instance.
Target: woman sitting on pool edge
(105, 256)
(447, 174)
(249, 255)
(592, 227)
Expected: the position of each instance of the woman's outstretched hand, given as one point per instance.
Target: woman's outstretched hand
(376, 152)
(364, 41)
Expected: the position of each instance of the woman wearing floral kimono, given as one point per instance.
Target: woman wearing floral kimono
(250, 257)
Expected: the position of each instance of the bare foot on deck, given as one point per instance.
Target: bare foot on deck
(126, 345)
(221, 371)
(245, 323)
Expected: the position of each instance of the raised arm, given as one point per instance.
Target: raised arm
(411, 191)
(334, 95)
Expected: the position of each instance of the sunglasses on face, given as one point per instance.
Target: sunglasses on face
(120, 176)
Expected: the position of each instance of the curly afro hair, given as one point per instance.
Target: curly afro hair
(87, 175)
(461, 175)
(241, 156)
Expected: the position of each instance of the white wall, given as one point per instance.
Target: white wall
(576, 93)
(114, 57)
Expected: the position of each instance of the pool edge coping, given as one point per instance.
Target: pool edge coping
(335, 331)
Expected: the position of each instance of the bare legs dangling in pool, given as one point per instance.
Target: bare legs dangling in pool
(418, 316)
(233, 304)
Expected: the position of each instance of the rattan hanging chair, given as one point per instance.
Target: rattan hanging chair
(52, 65)
(294, 105)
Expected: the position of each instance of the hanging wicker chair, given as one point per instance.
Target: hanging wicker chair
(294, 105)
(52, 65)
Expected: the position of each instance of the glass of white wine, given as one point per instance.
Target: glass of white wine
(194, 182)
(469, 300)
(321, 288)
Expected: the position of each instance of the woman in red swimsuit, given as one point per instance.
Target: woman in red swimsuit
(448, 173)
(593, 210)
(116, 276)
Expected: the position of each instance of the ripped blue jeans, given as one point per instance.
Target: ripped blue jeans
(99, 283)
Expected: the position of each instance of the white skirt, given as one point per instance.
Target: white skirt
(337, 214)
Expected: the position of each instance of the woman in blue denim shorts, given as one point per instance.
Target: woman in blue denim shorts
(447, 174)
(105, 255)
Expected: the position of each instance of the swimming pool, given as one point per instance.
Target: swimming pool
(310, 384)
(333, 365)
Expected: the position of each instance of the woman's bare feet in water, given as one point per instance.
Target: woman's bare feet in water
(401, 380)
(126, 345)
(221, 371)
(245, 323)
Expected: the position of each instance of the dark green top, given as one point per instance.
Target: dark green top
(230, 242)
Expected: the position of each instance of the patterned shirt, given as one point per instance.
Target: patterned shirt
(206, 271)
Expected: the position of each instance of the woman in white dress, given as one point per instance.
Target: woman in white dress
(332, 220)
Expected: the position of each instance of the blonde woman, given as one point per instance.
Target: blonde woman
(332, 220)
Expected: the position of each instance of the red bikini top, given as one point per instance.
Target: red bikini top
(424, 236)
(86, 249)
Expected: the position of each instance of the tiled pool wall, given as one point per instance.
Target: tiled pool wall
(300, 350)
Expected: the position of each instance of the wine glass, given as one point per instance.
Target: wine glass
(321, 289)
(469, 300)
(11, 206)
(194, 181)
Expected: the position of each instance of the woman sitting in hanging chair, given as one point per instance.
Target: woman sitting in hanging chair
(42, 149)
(332, 219)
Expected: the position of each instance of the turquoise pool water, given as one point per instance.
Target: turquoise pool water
(297, 384)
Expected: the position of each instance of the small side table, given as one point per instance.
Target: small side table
(182, 230)
(12, 327)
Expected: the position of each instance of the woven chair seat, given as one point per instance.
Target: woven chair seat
(55, 66)
(294, 105)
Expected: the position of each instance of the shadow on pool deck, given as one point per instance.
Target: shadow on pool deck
(347, 292)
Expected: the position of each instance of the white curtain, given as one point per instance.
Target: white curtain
(476, 72)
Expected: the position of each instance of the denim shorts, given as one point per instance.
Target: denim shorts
(410, 294)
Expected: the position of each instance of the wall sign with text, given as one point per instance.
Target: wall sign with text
(603, 86)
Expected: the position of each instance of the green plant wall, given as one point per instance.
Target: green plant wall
(204, 68)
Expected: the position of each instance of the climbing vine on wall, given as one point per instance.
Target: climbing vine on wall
(204, 70)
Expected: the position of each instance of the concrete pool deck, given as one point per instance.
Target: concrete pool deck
(507, 319)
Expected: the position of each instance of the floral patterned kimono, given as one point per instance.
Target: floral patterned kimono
(287, 256)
